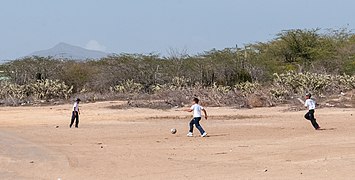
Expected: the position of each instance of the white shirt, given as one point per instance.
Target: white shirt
(197, 110)
(76, 107)
(310, 103)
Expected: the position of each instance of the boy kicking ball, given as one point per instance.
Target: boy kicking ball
(311, 105)
(196, 109)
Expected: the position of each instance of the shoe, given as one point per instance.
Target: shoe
(204, 134)
(190, 134)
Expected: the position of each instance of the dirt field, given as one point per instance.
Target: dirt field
(267, 143)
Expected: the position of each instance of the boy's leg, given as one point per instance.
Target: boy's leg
(198, 126)
(191, 126)
(307, 116)
(77, 120)
(72, 119)
(313, 120)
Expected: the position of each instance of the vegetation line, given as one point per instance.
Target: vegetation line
(261, 74)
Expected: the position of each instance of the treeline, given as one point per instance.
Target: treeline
(309, 50)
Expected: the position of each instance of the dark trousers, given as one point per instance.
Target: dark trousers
(74, 116)
(310, 116)
(196, 121)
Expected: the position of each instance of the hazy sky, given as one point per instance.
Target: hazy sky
(145, 26)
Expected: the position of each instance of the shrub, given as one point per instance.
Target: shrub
(292, 83)
(248, 87)
(50, 89)
(39, 90)
(128, 86)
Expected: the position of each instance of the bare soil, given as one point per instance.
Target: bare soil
(111, 143)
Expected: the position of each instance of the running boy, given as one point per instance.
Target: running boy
(75, 114)
(311, 105)
(196, 109)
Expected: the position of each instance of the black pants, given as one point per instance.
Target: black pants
(196, 121)
(74, 116)
(310, 116)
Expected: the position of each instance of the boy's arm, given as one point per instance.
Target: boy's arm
(205, 112)
(188, 110)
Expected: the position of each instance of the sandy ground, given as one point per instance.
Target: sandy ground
(267, 143)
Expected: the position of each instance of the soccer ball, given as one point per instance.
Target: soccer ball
(173, 131)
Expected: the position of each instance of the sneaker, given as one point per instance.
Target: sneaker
(204, 134)
(190, 134)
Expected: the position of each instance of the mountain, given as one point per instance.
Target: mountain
(67, 51)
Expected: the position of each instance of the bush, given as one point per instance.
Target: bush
(248, 87)
(288, 84)
(50, 89)
(40, 90)
(128, 86)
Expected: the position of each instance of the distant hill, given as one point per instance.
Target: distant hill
(67, 51)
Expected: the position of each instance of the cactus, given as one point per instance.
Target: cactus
(291, 83)
(128, 86)
(248, 87)
(39, 90)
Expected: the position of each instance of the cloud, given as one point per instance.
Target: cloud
(94, 45)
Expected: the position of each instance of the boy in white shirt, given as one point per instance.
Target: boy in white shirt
(196, 109)
(311, 105)
(75, 114)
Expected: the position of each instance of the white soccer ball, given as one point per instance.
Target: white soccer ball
(173, 131)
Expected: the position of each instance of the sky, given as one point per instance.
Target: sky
(159, 26)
